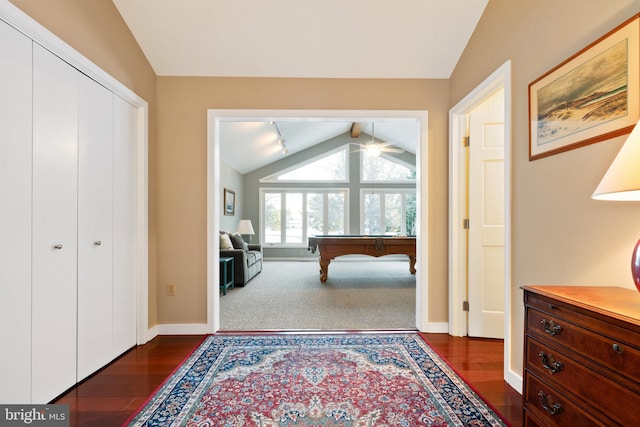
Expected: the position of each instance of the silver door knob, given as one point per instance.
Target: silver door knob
(58, 246)
(97, 243)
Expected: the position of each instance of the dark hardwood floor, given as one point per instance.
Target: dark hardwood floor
(480, 362)
(111, 396)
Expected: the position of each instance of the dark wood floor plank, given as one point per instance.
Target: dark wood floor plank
(110, 397)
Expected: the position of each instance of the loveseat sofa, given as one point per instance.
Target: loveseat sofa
(247, 258)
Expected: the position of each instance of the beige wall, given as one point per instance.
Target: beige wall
(182, 167)
(560, 235)
(96, 30)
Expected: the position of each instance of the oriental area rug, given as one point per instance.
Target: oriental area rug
(370, 379)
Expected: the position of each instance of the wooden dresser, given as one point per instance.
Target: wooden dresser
(581, 356)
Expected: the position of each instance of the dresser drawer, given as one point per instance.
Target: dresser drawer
(612, 354)
(616, 329)
(553, 407)
(531, 421)
(607, 397)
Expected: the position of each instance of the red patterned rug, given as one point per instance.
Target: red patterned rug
(315, 380)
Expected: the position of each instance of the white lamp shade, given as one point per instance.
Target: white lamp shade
(622, 180)
(245, 227)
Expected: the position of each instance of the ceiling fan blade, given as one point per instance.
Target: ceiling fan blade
(356, 128)
(389, 147)
(384, 147)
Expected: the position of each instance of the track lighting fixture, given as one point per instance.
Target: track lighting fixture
(280, 139)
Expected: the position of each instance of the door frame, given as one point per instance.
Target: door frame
(214, 197)
(501, 78)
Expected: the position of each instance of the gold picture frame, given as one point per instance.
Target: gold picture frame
(592, 96)
(229, 202)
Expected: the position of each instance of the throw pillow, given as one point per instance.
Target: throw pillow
(225, 242)
(238, 242)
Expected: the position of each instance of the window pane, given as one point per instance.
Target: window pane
(329, 168)
(315, 210)
(272, 217)
(392, 213)
(293, 218)
(371, 214)
(336, 213)
(410, 212)
(382, 169)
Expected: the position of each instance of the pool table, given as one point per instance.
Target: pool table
(331, 246)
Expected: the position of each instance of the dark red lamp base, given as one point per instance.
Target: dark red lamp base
(635, 265)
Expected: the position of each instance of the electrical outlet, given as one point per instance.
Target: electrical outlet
(171, 289)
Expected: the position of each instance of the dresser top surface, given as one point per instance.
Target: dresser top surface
(620, 303)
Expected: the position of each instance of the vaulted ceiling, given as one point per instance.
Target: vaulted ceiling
(420, 39)
(260, 137)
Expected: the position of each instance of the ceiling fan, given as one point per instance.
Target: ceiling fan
(372, 148)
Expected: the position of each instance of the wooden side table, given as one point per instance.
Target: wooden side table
(226, 274)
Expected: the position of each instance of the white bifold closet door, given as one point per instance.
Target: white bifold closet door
(124, 226)
(55, 207)
(68, 222)
(15, 216)
(95, 227)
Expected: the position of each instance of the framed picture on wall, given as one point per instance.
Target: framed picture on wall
(229, 202)
(592, 96)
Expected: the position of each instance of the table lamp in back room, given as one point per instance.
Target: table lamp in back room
(622, 182)
(245, 228)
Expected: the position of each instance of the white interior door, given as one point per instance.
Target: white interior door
(15, 215)
(95, 227)
(54, 252)
(486, 230)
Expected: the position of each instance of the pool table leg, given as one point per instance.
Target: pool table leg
(412, 264)
(324, 269)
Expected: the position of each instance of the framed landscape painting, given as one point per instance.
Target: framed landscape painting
(590, 97)
(229, 202)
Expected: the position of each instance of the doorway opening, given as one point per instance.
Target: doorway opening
(216, 117)
(460, 249)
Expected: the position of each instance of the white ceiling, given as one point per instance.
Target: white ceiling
(420, 39)
(302, 39)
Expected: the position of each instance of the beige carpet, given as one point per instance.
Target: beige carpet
(375, 294)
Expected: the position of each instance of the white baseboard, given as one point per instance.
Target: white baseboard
(183, 329)
(514, 380)
(437, 328)
(152, 332)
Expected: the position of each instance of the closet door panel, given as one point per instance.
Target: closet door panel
(124, 226)
(95, 235)
(54, 270)
(15, 215)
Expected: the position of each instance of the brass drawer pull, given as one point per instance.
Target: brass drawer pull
(549, 362)
(550, 327)
(553, 408)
